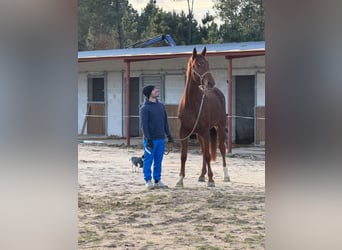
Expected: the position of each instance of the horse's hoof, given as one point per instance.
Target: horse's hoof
(179, 184)
(226, 179)
(211, 184)
(201, 179)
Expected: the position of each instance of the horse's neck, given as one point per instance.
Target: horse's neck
(193, 94)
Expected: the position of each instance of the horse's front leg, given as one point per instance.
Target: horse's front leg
(204, 165)
(211, 182)
(184, 155)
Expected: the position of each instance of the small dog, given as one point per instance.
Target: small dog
(136, 162)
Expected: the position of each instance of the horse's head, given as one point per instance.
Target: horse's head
(199, 69)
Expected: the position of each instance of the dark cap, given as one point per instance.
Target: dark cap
(147, 90)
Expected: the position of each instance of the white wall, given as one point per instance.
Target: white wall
(114, 103)
(82, 100)
(174, 87)
(220, 77)
(260, 89)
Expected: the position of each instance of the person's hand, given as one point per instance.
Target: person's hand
(149, 144)
(170, 139)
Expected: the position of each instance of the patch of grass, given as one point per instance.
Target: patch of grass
(206, 247)
(154, 197)
(88, 236)
(178, 210)
(242, 221)
(206, 228)
(260, 238)
(252, 208)
(211, 200)
(249, 240)
(229, 238)
(255, 241)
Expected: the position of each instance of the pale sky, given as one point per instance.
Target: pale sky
(200, 6)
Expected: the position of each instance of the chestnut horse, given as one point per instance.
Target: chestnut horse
(202, 111)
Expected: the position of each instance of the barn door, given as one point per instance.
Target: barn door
(244, 109)
(96, 106)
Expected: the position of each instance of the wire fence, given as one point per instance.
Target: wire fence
(175, 117)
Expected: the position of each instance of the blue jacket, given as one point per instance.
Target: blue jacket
(153, 120)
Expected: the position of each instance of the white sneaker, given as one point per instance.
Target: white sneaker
(149, 185)
(160, 184)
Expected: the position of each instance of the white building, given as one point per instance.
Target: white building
(110, 83)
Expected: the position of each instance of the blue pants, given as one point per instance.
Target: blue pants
(154, 156)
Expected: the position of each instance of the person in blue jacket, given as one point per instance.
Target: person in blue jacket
(154, 125)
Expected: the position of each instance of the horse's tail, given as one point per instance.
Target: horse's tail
(213, 144)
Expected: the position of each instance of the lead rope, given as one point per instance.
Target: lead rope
(199, 113)
(169, 148)
(193, 129)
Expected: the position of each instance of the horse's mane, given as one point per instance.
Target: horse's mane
(188, 72)
(188, 79)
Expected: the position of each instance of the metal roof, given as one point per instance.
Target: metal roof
(229, 50)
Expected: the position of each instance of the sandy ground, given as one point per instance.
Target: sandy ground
(117, 212)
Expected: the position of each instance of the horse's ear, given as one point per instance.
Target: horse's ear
(194, 53)
(204, 51)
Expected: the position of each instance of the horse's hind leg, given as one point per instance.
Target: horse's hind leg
(222, 147)
(204, 165)
(206, 159)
